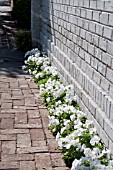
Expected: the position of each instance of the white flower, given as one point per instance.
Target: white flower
(88, 123)
(92, 130)
(66, 123)
(72, 117)
(100, 167)
(88, 152)
(25, 61)
(75, 164)
(93, 163)
(48, 99)
(57, 136)
(30, 72)
(83, 147)
(96, 152)
(62, 130)
(95, 140)
(23, 67)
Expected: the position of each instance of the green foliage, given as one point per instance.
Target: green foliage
(71, 155)
(23, 40)
(22, 13)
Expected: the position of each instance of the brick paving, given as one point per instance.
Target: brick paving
(25, 141)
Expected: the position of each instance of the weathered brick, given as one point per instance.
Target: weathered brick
(37, 149)
(8, 137)
(27, 126)
(17, 157)
(20, 118)
(23, 140)
(43, 160)
(7, 123)
(8, 147)
(57, 160)
(37, 134)
(29, 165)
(9, 165)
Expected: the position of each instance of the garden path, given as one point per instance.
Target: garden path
(25, 141)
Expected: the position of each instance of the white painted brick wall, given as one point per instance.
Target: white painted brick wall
(78, 36)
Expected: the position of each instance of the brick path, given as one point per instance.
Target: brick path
(25, 141)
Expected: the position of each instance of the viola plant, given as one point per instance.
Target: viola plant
(77, 137)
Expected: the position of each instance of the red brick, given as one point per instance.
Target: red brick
(5, 95)
(7, 123)
(14, 110)
(39, 143)
(33, 86)
(18, 157)
(8, 137)
(33, 114)
(8, 147)
(32, 150)
(9, 165)
(27, 165)
(41, 106)
(34, 121)
(17, 97)
(43, 160)
(14, 131)
(25, 107)
(21, 118)
(48, 134)
(57, 160)
(26, 92)
(6, 105)
(44, 112)
(30, 102)
(53, 145)
(6, 101)
(45, 122)
(37, 134)
(14, 85)
(16, 93)
(34, 90)
(24, 86)
(23, 140)
(6, 115)
(18, 102)
(26, 126)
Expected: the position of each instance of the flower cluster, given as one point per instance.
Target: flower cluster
(76, 135)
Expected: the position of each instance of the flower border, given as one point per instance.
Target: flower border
(76, 135)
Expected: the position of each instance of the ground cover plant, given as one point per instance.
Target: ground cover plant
(77, 137)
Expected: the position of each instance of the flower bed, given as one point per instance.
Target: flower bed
(77, 138)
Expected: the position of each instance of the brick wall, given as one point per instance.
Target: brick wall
(78, 36)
